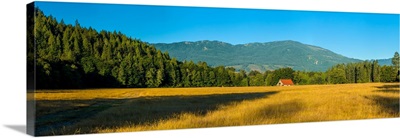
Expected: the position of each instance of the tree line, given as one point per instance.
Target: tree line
(71, 56)
(361, 72)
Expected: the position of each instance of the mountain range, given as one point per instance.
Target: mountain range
(256, 56)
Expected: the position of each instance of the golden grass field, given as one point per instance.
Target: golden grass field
(131, 109)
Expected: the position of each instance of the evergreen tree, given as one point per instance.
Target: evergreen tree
(387, 74)
(396, 65)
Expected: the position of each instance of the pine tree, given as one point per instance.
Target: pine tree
(150, 75)
(396, 60)
(159, 78)
(396, 65)
(375, 71)
(67, 51)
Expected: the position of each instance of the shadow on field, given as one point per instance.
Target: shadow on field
(66, 116)
(388, 104)
(52, 115)
(389, 88)
(282, 110)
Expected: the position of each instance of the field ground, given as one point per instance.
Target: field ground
(121, 110)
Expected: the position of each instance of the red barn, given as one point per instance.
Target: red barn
(285, 82)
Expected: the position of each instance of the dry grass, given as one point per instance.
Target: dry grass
(122, 110)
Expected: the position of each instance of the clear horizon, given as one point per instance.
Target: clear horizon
(362, 36)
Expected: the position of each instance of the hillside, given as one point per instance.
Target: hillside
(387, 62)
(256, 56)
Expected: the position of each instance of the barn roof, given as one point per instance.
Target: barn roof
(287, 81)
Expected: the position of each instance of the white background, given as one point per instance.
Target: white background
(13, 75)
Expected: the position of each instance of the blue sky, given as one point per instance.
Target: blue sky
(355, 35)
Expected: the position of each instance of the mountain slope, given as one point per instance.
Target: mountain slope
(386, 62)
(256, 56)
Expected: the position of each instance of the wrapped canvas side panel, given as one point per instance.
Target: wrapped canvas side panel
(30, 64)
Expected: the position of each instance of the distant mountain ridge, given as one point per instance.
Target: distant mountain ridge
(256, 56)
(387, 61)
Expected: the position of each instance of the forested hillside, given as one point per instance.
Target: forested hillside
(256, 56)
(70, 56)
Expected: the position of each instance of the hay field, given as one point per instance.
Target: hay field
(125, 110)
